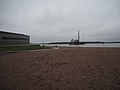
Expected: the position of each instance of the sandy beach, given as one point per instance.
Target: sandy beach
(61, 69)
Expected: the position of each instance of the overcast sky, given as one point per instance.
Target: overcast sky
(59, 20)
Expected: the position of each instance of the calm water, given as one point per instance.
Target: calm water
(111, 45)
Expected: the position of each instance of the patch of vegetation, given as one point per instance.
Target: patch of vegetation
(20, 48)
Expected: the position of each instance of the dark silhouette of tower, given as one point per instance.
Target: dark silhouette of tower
(78, 37)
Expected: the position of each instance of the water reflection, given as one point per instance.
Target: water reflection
(115, 45)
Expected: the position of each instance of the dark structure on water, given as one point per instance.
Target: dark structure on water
(73, 42)
(9, 38)
(76, 41)
(79, 42)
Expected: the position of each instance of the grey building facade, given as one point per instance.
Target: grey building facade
(8, 38)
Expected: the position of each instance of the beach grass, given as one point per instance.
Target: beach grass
(20, 48)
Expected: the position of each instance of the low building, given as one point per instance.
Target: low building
(9, 38)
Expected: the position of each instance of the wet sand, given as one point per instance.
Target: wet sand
(61, 69)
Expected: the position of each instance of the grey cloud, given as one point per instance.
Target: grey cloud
(59, 20)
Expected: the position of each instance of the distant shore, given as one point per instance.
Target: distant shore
(61, 69)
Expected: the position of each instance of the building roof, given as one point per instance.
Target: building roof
(13, 33)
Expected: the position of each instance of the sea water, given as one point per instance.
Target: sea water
(109, 45)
